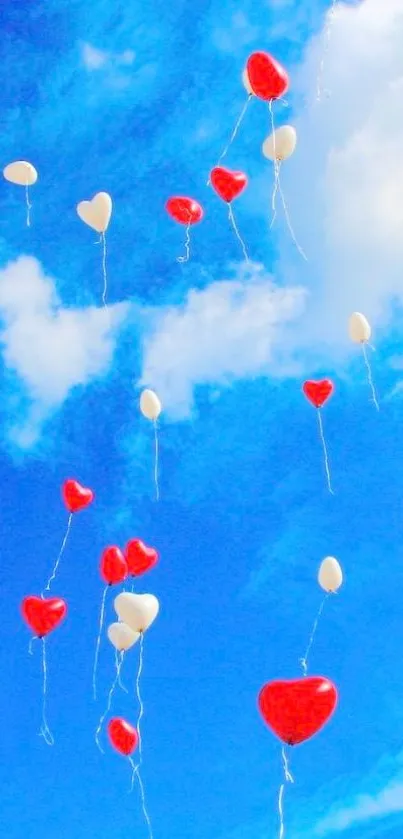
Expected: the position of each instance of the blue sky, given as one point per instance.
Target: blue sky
(140, 102)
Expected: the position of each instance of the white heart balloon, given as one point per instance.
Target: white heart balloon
(150, 405)
(330, 575)
(97, 212)
(281, 144)
(137, 610)
(21, 172)
(122, 636)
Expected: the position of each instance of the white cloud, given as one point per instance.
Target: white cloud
(49, 349)
(381, 804)
(346, 180)
(231, 329)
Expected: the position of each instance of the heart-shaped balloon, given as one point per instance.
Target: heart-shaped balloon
(43, 615)
(297, 709)
(267, 78)
(137, 610)
(227, 184)
(97, 212)
(75, 496)
(123, 736)
(318, 392)
(113, 566)
(139, 557)
(121, 636)
(184, 210)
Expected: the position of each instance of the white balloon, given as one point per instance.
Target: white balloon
(122, 636)
(281, 144)
(97, 212)
(246, 82)
(359, 328)
(330, 575)
(150, 405)
(137, 610)
(21, 172)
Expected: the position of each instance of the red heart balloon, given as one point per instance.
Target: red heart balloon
(42, 616)
(228, 185)
(296, 709)
(139, 557)
(318, 392)
(113, 566)
(75, 496)
(184, 210)
(267, 78)
(123, 736)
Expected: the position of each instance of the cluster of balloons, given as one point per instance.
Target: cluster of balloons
(135, 612)
(263, 78)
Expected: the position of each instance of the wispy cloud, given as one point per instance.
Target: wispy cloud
(230, 329)
(48, 350)
(96, 59)
(385, 801)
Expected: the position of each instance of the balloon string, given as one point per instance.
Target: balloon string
(45, 731)
(288, 221)
(304, 661)
(330, 16)
(136, 772)
(103, 241)
(234, 132)
(237, 233)
(120, 683)
(157, 490)
(98, 644)
(30, 645)
(29, 206)
(109, 703)
(276, 166)
(138, 694)
(61, 552)
(327, 468)
(287, 779)
(370, 378)
(186, 257)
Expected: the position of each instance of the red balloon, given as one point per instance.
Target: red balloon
(297, 709)
(123, 736)
(75, 496)
(139, 557)
(42, 616)
(318, 392)
(227, 184)
(184, 210)
(267, 78)
(113, 566)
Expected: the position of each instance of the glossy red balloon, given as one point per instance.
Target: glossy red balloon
(113, 566)
(184, 210)
(227, 184)
(267, 78)
(43, 615)
(297, 709)
(75, 496)
(139, 557)
(318, 392)
(123, 736)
